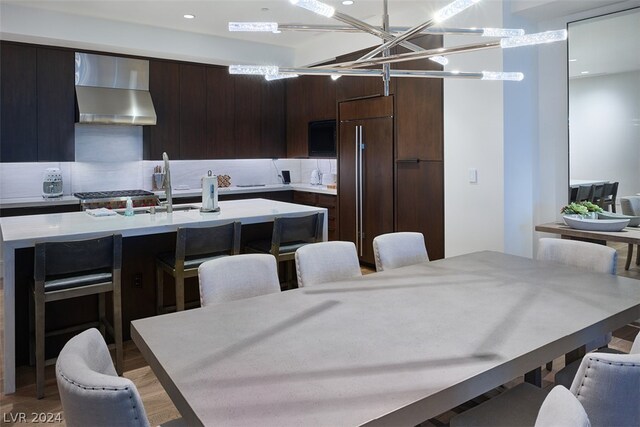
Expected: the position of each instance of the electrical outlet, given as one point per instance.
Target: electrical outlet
(137, 280)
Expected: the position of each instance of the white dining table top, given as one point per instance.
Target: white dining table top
(390, 348)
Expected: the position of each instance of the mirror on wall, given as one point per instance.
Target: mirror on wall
(604, 101)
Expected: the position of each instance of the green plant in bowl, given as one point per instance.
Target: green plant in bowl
(575, 209)
(591, 207)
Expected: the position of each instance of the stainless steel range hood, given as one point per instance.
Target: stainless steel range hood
(113, 90)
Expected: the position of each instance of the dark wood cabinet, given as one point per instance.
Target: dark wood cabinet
(419, 203)
(164, 86)
(18, 103)
(273, 140)
(37, 103)
(221, 113)
(193, 112)
(358, 87)
(366, 172)
(309, 98)
(56, 104)
(248, 105)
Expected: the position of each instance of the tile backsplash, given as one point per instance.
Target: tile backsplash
(25, 179)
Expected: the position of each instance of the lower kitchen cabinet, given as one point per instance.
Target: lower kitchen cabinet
(419, 203)
(322, 201)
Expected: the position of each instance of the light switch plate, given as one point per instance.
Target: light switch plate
(473, 175)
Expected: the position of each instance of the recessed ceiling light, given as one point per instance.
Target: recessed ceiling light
(189, 16)
(584, 72)
(347, 2)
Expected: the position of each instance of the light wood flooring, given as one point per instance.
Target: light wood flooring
(160, 409)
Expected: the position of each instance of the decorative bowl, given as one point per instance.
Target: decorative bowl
(634, 221)
(595, 224)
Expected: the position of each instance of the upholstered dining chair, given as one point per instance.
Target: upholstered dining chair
(606, 385)
(562, 408)
(91, 392)
(585, 193)
(584, 255)
(631, 206)
(394, 250)
(609, 195)
(237, 277)
(326, 262)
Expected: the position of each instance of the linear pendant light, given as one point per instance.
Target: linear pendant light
(391, 37)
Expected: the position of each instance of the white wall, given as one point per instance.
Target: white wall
(473, 138)
(604, 117)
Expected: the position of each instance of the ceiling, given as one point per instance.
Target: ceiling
(212, 16)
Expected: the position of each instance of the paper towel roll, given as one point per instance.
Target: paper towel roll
(209, 193)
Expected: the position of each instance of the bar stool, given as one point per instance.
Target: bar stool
(289, 234)
(609, 195)
(585, 192)
(194, 245)
(73, 269)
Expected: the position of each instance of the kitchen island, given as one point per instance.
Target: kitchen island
(24, 231)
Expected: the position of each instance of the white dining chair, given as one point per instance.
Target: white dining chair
(606, 385)
(562, 408)
(586, 256)
(237, 277)
(325, 262)
(91, 392)
(631, 206)
(394, 250)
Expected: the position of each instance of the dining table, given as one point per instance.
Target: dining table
(391, 348)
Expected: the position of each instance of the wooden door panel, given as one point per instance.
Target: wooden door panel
(347, 181)
(420, 202)
(164, 86)
(377, 215)
(18, 112)
(193, 112)
(56, 105)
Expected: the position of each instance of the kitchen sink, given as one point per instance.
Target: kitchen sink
(175, 208)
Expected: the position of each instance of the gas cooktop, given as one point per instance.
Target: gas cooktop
(113, 194)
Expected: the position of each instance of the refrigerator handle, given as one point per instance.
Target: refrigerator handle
(357, 168)
(361, 182)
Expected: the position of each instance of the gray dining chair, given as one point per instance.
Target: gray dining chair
(91, 392)
(326, 262)
(394, 250)
(562, 408)
(631, 206)
(609, 195)
(585, 193)
(607, 386)
(237, 277)
(586, 256)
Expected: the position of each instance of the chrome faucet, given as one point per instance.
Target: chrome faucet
(167, 183)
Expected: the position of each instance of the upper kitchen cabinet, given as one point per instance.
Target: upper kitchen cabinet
(164, 86)
(19, 136)
(309, 98)
(193, 112)
(220, 113)
(56, 104)
(419, 112)
(358, 87)
(273, 141)
(37, 102)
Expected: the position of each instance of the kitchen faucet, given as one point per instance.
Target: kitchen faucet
(167, 183)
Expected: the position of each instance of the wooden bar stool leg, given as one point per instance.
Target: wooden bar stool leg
(549, 366)
(629, 256)
(179, 291)
(102, 314)
(638, 256)
(117, 324)
(159, 290)
(32, 330)
(40, 359)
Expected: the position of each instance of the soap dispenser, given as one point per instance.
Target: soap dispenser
(128, 211)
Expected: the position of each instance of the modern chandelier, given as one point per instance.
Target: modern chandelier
(391, 37)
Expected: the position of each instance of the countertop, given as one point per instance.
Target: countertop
(28, 202)
(22, 231)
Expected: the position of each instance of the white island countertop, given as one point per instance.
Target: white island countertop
(24, 231)
(29, 202)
